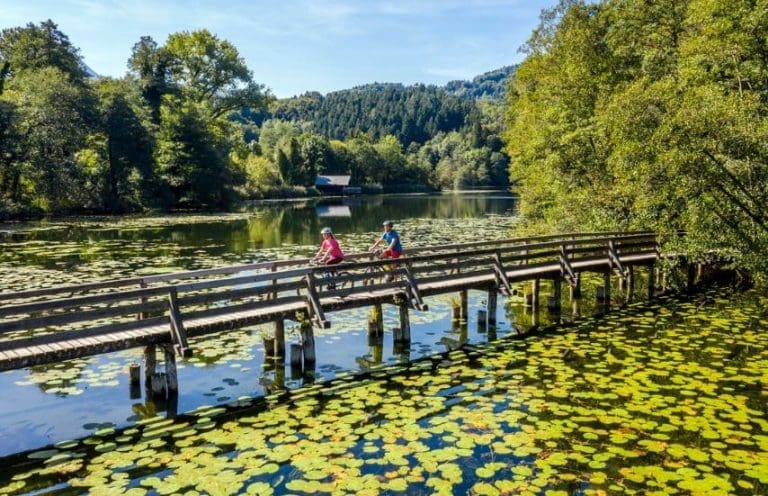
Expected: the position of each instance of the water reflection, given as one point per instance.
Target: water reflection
(255, 234)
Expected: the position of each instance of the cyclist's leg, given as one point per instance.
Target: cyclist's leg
(332, 273)
(391, 255)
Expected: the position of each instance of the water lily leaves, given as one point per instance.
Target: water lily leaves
(260, 489)
(490, 420)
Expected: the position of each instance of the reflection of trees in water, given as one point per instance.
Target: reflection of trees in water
(181, 241)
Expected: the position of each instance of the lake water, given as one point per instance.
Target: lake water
(91, 393)
(667, 397)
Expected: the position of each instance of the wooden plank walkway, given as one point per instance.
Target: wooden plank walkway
(47, 325)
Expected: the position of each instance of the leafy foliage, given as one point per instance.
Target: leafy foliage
(159, 137)
(34, 47)
(630, 114)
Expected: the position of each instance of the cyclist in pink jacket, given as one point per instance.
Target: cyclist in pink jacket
(330, 252)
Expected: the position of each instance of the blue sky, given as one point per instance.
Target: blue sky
(293, 46)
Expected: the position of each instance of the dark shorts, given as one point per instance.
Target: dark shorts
(391, 253)
(334, 261)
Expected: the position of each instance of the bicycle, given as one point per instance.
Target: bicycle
(332, 279)
(378, 273)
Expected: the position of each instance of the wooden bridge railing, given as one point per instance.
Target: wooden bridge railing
(56, 323)
(272, 266)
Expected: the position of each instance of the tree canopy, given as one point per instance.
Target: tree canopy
(629, 114)
(159, 137)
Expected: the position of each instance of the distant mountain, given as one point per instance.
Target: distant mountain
(411, 113)
(489, 85)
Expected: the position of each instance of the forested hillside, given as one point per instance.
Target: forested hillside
(413, 113)
(410, 113)
(389, 135)
(649, 115)
(489, 85)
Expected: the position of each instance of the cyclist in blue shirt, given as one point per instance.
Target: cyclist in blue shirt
(393, 247)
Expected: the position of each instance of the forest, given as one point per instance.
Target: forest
(188, 127)
(647, 115)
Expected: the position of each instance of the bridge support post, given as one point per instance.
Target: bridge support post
(690, 277)
(630, 283)
(492, 299)
(463, 332)
(405, 323)
(575, 288)
(308, 342)
(607, 290)
(651, 282)
(296, 360)
(379, 318)
(170, 369)
(377, 352)
(134, 373)
(482, 317)
(269, 346)
(464, 305)
(535, 297)
(279, 331)
(553, 303)
(150, 363)
(296, 355)
(575, 308)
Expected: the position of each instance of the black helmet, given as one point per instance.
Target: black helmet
(387, 223)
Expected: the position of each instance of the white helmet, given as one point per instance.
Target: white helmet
(326, 230)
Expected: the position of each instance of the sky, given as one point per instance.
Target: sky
(294, 46)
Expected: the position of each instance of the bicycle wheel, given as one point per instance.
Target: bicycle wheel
(341, 281)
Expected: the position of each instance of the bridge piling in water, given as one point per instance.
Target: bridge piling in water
(493, 294)
(405, 323)
(171, 375)
(308, 342)
(379, 318)
(534, 295)
(279, 334)
(575, 308)
(134, 375)
(691, 271)
(574, 290)
(150, 363)
(464, 298)
(553, 302)
(297, 352)
(482, 320)
(651, 282)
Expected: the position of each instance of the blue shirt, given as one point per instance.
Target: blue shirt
(389, 236)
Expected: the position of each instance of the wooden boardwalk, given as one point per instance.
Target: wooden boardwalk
(52, 324)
